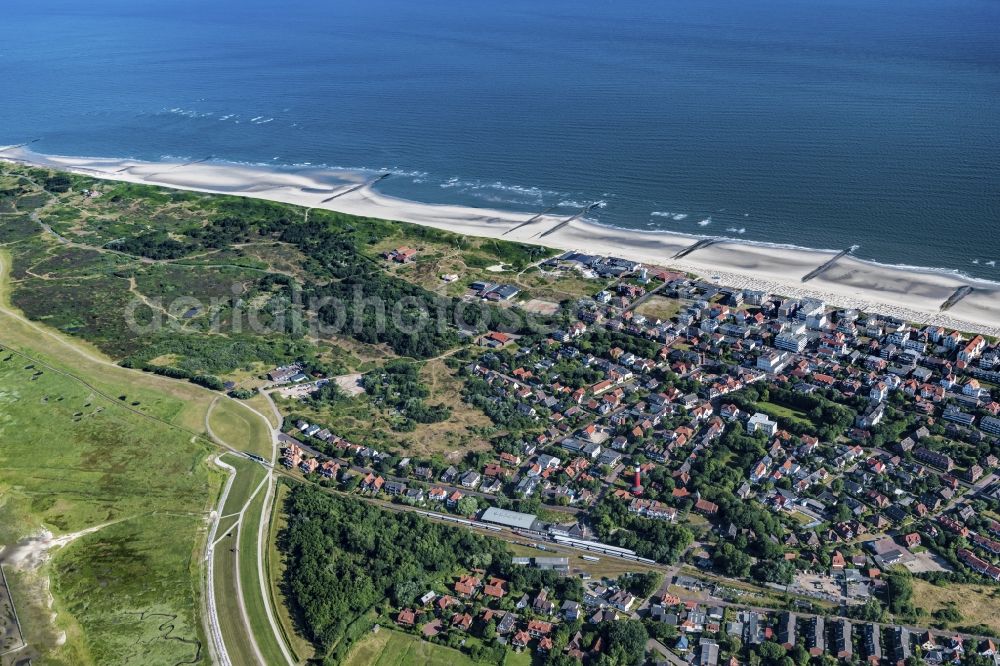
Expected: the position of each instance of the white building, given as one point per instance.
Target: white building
(792, 343)
(773, 361)
(761, 422)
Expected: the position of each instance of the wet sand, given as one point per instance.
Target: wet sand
(911, 294)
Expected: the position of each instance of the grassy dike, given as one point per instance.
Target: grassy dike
(86, 444)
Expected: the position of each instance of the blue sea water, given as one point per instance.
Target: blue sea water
(820, 123)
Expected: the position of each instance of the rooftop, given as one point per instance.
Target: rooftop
(523, 521)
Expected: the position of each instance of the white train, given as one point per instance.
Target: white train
(603, 548)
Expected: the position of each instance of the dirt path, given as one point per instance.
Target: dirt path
(58, 340)
(32, 552)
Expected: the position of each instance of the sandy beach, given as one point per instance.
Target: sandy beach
(911, 294)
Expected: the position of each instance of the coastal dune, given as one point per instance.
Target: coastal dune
(912, 294)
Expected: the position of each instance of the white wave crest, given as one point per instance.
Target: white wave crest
(189, 113)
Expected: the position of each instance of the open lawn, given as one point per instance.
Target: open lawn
(262, 405)
(660, 307)
(231, 624)
(781, 412)
(358, 419)
(239, 427)
(249, 474)
(394, 648)
(107, 443)
(253, 593)
(235, 632)
(557, 287)
(978, 604)
(452, 435)
(801, 518)
(523, 658)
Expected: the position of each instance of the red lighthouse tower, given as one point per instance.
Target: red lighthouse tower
(637, 486)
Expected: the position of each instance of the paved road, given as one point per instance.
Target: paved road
(510, 536)
(571, 511)
(236, 557)
(275, 438)
(51, 336)
(261, 543)
(217, 645)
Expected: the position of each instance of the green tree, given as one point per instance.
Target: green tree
(899, 592)
(490, 630)
(771, 653)
(731, 561)
(467, 506)
(625, 642)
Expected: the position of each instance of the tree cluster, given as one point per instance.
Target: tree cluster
(347, 558)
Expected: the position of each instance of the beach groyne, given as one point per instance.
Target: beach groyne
(819, 270)
(531, 220)
(583, 211)
(694, 247)
(357, 187)
(902, 292)
(959, 294)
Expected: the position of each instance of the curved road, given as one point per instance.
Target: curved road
(261, 541)
(81, 351)
(219, 652)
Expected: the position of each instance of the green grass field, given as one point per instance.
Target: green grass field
(253, 593)
(979, 603)
(71, 459)
(239, 427)
(234, 630)
(660, 307)
(524, 658)
(248, 476)
(777, 411)
(260, 403)
(393, 648)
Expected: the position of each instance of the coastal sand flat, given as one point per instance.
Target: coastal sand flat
(905, 293)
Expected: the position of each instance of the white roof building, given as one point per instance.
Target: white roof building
(515, 519)
(760, 421)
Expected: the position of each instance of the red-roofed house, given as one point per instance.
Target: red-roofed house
(706, 507)
(538, 628)
(403, 255)
(466, 586)
(496, 588)
(495, 339)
